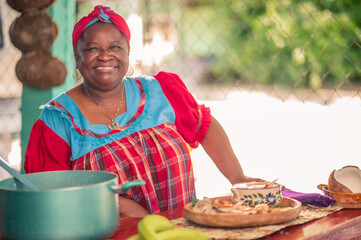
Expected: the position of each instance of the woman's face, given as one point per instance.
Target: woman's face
(102, 55)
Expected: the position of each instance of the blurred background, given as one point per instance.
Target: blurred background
(282, 77)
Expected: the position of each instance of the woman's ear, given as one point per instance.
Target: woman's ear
(77, 55)
(76, 63)
(77, 60)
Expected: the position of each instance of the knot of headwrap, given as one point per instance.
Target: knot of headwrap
(103, 14)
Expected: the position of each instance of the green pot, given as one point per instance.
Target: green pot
(69, 205)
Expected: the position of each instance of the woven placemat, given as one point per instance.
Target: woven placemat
(307, 214)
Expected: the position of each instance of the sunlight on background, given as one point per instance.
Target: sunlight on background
(151, 53)
(13, 158)
(299, 144)
(135, 23)
(14, 155)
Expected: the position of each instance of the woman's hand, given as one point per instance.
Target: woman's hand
(247, 179)
(130, 208)
(217, 146)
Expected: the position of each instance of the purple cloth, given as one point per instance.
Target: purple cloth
(314, 199)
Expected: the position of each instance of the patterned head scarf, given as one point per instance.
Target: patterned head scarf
(103, 14)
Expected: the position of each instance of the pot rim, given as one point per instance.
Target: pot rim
(70, 188)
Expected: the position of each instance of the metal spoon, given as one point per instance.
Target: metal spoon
(17, 175)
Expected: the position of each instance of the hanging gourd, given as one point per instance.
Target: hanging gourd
(39, 69)
(29, 5)
(33, 33)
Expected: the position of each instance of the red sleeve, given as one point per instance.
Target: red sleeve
(191, 119)
(46, 151)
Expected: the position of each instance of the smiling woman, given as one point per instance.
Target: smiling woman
(136, 127)
(102, 58)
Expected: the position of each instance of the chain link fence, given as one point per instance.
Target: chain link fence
(309, 51)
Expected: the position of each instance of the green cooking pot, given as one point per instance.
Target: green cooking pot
(68, 205)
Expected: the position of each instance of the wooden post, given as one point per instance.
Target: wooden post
(63, 13)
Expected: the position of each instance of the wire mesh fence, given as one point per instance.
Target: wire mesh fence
(304, 50)
(309, 50)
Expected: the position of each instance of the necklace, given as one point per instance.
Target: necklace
(113, 125)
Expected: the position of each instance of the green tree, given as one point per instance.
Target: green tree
(295, 43)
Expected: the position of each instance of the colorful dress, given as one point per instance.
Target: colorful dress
(152, 143)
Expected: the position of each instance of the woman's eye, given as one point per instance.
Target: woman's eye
(91, 49)
(116, 47)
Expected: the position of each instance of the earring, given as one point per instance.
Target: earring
(76, 75)
(132, 69)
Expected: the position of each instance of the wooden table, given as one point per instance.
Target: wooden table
(341, 225)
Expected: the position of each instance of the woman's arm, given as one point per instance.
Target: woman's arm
(212, 137)
(130, 208)
(217, 146)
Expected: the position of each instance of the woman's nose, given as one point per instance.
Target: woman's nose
(104, 55)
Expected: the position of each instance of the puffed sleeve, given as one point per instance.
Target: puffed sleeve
(191, 119)
(46, 151)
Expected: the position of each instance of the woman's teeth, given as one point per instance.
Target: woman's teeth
(104, 67)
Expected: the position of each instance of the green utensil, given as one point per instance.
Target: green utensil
(17, 175)
(124, 188)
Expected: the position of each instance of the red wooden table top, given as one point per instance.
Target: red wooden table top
(344, 224)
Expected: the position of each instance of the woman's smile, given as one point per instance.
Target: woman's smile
(106, 69)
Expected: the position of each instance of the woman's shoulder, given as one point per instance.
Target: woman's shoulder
(161, 80)
(158, 77)
(61, 105)
(62, 101)
(169, 78)
(74, 92)
(143, 83)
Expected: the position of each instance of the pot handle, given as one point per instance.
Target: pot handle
(124, 188)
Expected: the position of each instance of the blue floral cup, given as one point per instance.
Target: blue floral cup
(252, 194)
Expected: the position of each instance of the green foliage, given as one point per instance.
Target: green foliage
(287, 42)
(194, 201)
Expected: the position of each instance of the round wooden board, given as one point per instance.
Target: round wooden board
(238, 220)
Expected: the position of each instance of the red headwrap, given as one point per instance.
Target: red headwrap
(104, 14)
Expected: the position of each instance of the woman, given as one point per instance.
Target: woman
(137, 128)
